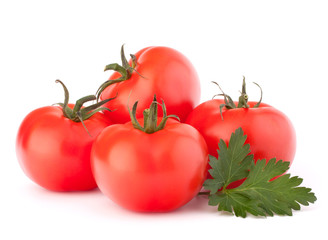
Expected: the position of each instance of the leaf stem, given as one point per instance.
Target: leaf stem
(204, 193)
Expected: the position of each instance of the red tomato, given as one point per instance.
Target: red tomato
(159, 70)
(155, 172)
(54, 151)
(269, 132)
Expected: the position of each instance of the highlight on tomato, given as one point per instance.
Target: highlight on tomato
(155, 164)
(153, 70)
(269, 132)
(53, 143)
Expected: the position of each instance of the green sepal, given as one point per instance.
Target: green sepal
(79, 103)
(125, 70)
(80, 113)
(242, 101)
(259, 102)
(150, 117)
(133, 117)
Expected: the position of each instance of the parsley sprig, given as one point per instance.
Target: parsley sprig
(257, 195)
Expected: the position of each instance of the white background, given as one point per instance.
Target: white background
(282, 45)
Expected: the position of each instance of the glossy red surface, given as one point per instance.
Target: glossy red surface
(164, 72)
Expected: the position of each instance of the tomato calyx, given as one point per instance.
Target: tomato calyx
(243, 98)
(150, 117)
(80, 113)
(125, 70)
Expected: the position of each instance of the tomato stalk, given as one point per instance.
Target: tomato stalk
(150, 117)
(243, 98)
(125, 70)
(80, 113)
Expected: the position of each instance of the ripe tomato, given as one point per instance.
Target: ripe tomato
(157, 70)
(54, 151)
(150, 172)
(269, 132)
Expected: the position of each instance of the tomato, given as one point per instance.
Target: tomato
(269, 131)
(157, 70)
(150, 172)
(54, 151)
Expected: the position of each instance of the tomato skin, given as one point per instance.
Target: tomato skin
(156, 172)
(164, 72)
(54, 151)
(269, 132)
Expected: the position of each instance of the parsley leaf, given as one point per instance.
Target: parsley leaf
(257, 195)
(233, 163)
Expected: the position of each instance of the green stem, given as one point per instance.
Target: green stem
(243, 99)
(150, 117)
(125, 70)
(78, 113)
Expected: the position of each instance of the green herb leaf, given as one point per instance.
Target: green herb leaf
(233, 162)
(257, 195)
